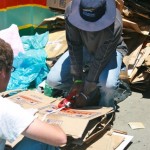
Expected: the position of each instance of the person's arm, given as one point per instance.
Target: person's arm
(75, 48)
(46, 133)
(14, 120)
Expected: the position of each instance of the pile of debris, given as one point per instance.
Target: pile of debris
(136, 33)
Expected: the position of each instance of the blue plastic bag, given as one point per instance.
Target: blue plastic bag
(30, 66)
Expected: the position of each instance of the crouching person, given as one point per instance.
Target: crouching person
(92, 64)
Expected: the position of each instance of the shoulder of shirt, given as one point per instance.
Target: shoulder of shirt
(118, 16)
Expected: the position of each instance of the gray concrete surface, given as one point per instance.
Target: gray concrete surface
(136, 108)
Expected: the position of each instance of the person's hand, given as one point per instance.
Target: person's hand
(81, 100)
(77, 87)
(88, 97)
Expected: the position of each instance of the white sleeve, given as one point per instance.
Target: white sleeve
(13, 119)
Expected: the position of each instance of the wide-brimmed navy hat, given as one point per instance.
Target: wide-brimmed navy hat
(92, 15)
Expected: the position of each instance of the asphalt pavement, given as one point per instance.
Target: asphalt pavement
(135, 108)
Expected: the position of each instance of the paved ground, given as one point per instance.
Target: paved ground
(136, 108)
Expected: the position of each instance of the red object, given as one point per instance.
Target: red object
(68, 99)
(11, 3)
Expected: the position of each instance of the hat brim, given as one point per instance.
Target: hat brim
(106, 20)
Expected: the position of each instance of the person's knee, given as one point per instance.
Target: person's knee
(107, 94)
(52, 79)
(106, 99)
(110, 85)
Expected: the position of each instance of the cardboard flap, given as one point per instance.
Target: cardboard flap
(147, 61)
(32, 99)
(108, 141)
(59, 18)
(57, 4)
(56, 44)
(139, 60)
(120, 4)
(75, 122)
(145, 53)
(134, 26)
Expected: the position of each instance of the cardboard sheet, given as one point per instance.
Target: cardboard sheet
(84, 124)
(127, 140)
(57, 4)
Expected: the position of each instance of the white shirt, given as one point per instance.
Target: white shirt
(13, 121)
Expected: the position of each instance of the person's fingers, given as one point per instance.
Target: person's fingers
(80, 102)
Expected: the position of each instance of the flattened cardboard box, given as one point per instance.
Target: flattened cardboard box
(80, 124)
(74, 122)
(57, 4)
(32, 99)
